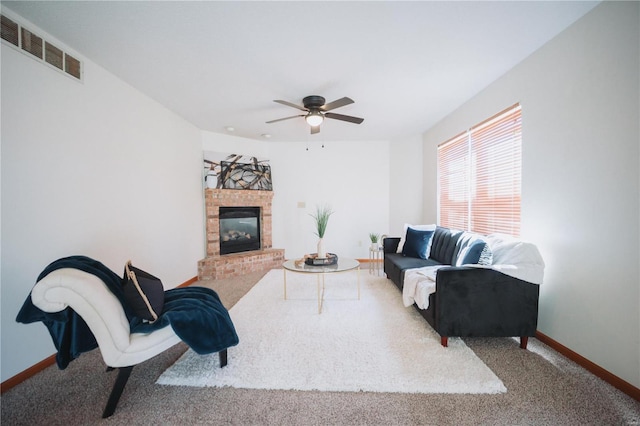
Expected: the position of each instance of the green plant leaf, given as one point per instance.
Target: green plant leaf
(321, 217)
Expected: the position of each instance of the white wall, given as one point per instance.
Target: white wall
(228, 143)
(407, 185)
(91, 168)
(351, 177)
(580, 100)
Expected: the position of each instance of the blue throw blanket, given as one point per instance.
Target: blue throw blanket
(195, 313)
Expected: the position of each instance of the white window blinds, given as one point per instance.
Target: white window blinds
(479, 176)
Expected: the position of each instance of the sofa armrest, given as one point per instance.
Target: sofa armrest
(483, 302)
(390, 244)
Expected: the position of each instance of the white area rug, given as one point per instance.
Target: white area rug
(374, 344)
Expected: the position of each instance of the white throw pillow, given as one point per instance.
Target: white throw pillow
(403, 237)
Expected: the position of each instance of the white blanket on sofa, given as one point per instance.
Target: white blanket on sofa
(516, 258)
(419, 283)
(513, 257)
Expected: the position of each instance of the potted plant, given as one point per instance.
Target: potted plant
(374, 240)
(321, 217)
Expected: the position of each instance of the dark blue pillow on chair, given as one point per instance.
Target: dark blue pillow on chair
(143, 292)
(416, 243)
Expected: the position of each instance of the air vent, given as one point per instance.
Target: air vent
(53, 55)
(31, 43)
(72, 66)
(9, 31)
(34, 45)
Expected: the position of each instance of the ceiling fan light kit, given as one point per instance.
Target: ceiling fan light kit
(317, 110)
(314, 118)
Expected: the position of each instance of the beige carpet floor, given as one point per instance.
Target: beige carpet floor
(543, 388)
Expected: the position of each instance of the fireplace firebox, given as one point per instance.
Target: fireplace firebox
(239, 229)
(214, 266)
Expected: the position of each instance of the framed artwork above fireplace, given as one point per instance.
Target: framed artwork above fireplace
(236, 171)
(246, 176)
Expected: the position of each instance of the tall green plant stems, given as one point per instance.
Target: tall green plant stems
(321, 217)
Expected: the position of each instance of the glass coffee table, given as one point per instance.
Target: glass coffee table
(343, 265)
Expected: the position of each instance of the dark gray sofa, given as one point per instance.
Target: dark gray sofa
(475, 301)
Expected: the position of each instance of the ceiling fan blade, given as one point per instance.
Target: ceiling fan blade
(336, 104)
(315, 129)
(286, 118)
(350, 119)
(301, 108)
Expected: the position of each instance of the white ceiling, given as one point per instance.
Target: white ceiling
(222, 63)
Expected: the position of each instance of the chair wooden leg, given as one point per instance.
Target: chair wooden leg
(223, 357)
(116, 392)
(523, 342)
(444, 341)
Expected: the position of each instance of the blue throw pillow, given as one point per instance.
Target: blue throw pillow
(478, 252)
(416, 243)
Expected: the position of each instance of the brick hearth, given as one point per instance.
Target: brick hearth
(216, 266)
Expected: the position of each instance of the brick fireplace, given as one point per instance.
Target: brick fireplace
(217, 266)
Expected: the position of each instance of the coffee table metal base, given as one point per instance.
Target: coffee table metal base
(320, 273)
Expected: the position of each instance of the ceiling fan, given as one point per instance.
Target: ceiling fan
(316, 111)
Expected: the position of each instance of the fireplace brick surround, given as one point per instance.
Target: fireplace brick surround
(215, 266)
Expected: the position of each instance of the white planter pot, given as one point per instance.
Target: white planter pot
(321, 253)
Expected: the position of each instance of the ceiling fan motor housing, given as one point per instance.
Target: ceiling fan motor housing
(313, 102)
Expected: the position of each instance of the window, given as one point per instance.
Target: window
(479, 176)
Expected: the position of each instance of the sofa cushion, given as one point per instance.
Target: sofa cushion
(465, 240)
(404, 262)
(417, 243)
(443, 245)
